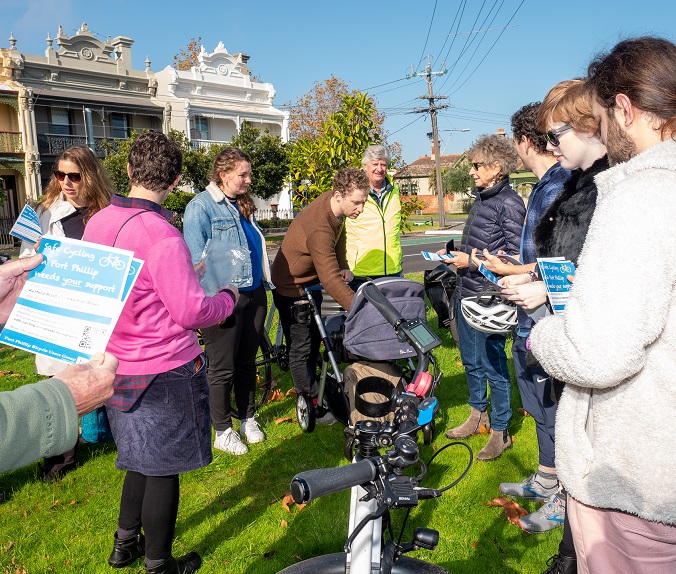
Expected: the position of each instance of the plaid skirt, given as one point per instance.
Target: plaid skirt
(168, 430)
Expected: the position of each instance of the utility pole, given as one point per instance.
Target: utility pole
(432, 110)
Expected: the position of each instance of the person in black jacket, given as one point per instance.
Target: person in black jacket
(494, 222)
(572, 132)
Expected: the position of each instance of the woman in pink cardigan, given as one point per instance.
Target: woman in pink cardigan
(159, 413)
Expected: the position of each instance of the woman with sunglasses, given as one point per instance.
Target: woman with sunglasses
(565, 116)
(494, 223)
(78, 188)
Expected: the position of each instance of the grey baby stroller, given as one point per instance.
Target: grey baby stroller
(369, 333)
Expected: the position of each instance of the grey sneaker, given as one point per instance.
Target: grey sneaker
(251, 432)
(529, 488)
(550, 516)
(229, 441)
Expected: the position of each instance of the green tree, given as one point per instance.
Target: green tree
(309, 113)
(341, 143)
(269, 159)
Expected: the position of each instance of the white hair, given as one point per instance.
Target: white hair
(375, 152)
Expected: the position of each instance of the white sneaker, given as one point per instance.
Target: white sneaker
(251, 432)
(230, 442)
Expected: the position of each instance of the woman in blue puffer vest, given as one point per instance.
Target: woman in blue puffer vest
(495, 223)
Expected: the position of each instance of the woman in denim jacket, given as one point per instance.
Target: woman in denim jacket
(225, 211)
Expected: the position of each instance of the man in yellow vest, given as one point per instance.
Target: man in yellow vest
(373, 239)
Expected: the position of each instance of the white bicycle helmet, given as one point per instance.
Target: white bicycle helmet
(488, 312)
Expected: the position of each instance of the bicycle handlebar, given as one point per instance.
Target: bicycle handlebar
(311, 484)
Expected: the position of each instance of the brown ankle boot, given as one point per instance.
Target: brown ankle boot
(499, 442)
(477, 423)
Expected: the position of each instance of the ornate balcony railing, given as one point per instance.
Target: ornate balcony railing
(10, 142)
(55, 144)
(197, 144)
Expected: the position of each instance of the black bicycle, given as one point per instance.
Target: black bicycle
(272, 360)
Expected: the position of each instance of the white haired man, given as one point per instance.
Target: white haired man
(374, 240)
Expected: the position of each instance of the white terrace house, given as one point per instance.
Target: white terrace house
(210, 102)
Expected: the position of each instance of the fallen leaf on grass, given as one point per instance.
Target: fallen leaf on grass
(459, 364)
(291, 392)
(524, 412)
(284, 523)
(276, 395)
(9, 547)
(288, 502)
(513, 511)
(281, 420)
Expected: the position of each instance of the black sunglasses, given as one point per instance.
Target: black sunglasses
(74, 176)
(553, 136)
(476, 164)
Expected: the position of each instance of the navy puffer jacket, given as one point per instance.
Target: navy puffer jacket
(494, 223)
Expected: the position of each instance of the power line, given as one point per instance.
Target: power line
(422, 55)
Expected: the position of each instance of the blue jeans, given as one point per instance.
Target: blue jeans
(537, 397)
(483, 356)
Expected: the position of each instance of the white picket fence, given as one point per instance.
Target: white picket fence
(267, 213)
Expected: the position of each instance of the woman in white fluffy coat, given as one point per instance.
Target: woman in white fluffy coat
(616, 346)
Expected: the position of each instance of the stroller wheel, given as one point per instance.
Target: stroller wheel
(305, 412)
(428, 432)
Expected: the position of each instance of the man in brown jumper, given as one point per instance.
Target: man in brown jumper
(313, 252)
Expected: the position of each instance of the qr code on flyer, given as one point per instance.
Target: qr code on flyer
(88, 334)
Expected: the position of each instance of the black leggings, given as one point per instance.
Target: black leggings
(150, 502)
(567, 545)
(232, 348)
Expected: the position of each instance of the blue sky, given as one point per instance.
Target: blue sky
(500, 55)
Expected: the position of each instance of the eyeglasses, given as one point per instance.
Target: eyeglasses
(476, 164)
(553, 136)
(74, 176)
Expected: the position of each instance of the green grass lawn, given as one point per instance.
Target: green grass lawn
(231, 512)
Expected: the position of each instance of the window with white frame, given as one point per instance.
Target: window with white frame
(60, 121)
(120, 125)
(199, 128)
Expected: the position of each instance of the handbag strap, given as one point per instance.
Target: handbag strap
(128, 220)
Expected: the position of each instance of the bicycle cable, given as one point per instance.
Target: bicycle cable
(439, 491)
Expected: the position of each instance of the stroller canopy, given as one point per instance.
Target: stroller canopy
(368, 334)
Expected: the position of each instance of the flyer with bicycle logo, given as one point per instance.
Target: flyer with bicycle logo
(555, 273)
(71, 302)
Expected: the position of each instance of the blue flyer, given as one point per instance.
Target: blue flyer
(555, 273)
(70, 303)
(27, 226)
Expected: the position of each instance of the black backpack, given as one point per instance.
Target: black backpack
(440, 285)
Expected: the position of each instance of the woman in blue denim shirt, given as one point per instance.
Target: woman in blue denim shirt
(225, 211)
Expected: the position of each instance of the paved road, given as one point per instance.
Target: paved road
(418, 241)
(412, 245)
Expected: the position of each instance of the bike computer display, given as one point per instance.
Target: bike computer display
(420, 335)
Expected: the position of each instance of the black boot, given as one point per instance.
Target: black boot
(127, 550)
(560, 564)
(191, 562)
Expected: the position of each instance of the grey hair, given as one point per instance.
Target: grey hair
(375, 152)
(495, 149)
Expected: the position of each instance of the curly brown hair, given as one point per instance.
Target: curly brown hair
(96, 186)
(525, 124)
(155, 161)
(496, 149)
(348, 179)
(227, 161)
